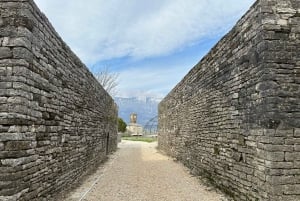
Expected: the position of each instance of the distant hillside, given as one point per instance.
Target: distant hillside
(145, 108)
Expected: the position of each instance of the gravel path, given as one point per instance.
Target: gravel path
(137, 172)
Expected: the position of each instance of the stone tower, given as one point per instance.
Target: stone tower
(133, 118)
(133, 127)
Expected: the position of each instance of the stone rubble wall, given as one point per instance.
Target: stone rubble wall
(56, 121)
(235, 117)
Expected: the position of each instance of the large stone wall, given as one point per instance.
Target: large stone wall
(235, 117)
(56, 121)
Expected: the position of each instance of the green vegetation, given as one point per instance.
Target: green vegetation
(121, 125)
(139, 138)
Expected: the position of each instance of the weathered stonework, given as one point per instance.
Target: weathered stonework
(235, 117)
(56, 121)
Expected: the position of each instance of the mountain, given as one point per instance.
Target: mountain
(145, 108)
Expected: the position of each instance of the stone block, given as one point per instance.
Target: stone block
(5, 85)
(235, 96)
(15, 129)
(22, 53)
(279, 165)
(297, 148)
(5, 53)
(1, 22)
(1, 146)
(260, 175)
(284, 133)
(292, 189)
(274, 156)
(267, 85)
(282, 179)
(3, 129)
(254, 133)
(17, 137)
(18, 161)
(271, 140)
(282, 22)
(251, 143)
(297, 132)
(286, 10)
(19, 145)
(294, 171)
(269, 132)
(292, 141)
(276, 190)
(274, 148)
(17, 42)
(292, 156)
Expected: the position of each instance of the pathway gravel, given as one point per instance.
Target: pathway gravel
(138, 172)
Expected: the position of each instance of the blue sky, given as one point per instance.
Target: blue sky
(152, 44)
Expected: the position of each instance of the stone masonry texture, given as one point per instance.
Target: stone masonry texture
(235, 117)
(56, 121)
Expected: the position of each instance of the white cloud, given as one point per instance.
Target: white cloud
(100, 30)
(150, 81)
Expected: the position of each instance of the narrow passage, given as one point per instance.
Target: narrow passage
(137, 172)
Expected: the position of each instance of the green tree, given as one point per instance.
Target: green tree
(121, 125)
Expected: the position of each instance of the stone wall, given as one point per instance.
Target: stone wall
(235, 117)
(56, 121)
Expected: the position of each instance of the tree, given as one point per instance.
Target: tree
(108, 80)
(121, 125)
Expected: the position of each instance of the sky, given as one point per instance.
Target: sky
(152, 44)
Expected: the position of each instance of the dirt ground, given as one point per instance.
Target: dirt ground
(138, 172)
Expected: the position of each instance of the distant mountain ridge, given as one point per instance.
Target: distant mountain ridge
(144, 107)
